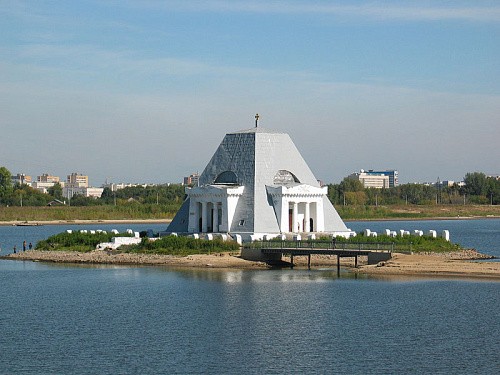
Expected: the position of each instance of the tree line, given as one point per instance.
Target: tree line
(477, 189)
(167, 195)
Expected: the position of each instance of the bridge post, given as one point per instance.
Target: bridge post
(338, 265)
(355, 261)
(308, 261)
(291, 260)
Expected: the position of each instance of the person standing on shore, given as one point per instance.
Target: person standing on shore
(14, 249)
(24, 245)
(30, 246)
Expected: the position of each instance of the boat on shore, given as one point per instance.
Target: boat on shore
(26, 224)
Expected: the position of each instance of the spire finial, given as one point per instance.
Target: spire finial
(256, 119)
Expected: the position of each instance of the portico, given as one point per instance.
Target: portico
(298, 208)
(212, 207)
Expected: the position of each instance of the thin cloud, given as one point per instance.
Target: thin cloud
(369, 10)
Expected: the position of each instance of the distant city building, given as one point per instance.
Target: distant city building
(391, 173)
(77, 180)
(70, 191)
(371, 180)
(46, 181)
(447, 183)
(115, 187)
(44, 186)
(47, 178)
(192, 180)
(21, 179)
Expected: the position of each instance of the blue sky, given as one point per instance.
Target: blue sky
(144, 91)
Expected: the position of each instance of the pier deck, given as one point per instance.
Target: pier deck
(308, 248)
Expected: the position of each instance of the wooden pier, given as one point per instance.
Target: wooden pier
(308, 248)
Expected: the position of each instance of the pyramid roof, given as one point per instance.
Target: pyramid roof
(259, 157)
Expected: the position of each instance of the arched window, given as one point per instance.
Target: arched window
(227, 178)
(284, 177)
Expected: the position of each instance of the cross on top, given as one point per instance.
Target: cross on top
(256, 119)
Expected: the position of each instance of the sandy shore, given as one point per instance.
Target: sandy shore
(458, 264)
(217, 260)
(454, 264)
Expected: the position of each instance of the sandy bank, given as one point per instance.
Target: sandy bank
(461, 263)
(218, 260)
(457, 264)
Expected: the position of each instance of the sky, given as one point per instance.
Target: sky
(144, 91)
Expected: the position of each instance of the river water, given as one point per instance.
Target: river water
(75, 319)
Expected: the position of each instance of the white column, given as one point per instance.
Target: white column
(215, 218)
(204, 217)
(307, 218)
(294, 217)
(225, 219)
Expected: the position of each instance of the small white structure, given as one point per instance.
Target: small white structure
(446, 235)
(116, 242)
(432, 233)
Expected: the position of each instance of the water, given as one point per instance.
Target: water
(13, 235)
(77, 319)
(480, 234)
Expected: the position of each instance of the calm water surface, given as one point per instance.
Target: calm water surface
(64, 319)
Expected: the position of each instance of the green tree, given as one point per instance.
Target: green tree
(351, 184)
(5, 184)
(475, 184)
(56, 191)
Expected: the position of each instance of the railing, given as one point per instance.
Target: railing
(329, 245)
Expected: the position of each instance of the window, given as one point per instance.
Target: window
(241, 223)
(283, 177)
(227, 178)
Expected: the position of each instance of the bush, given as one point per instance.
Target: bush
(76, 241)
(173, 245)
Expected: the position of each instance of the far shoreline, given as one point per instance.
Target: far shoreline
(83, 222)
(168, 221)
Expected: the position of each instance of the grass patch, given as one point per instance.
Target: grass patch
(408, 243)
(181, 246)
(76, 241)
(361, 242)
(170, 245)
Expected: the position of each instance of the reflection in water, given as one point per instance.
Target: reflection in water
(131, 319)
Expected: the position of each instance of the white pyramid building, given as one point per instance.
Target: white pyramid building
(257, 184)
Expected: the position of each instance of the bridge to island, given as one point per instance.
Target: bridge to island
(375, 251)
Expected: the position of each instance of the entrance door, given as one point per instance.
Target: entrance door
(290, 220)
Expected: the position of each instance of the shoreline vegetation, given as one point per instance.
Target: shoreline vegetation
(123, 214)
(459, 263)
(444, 260)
